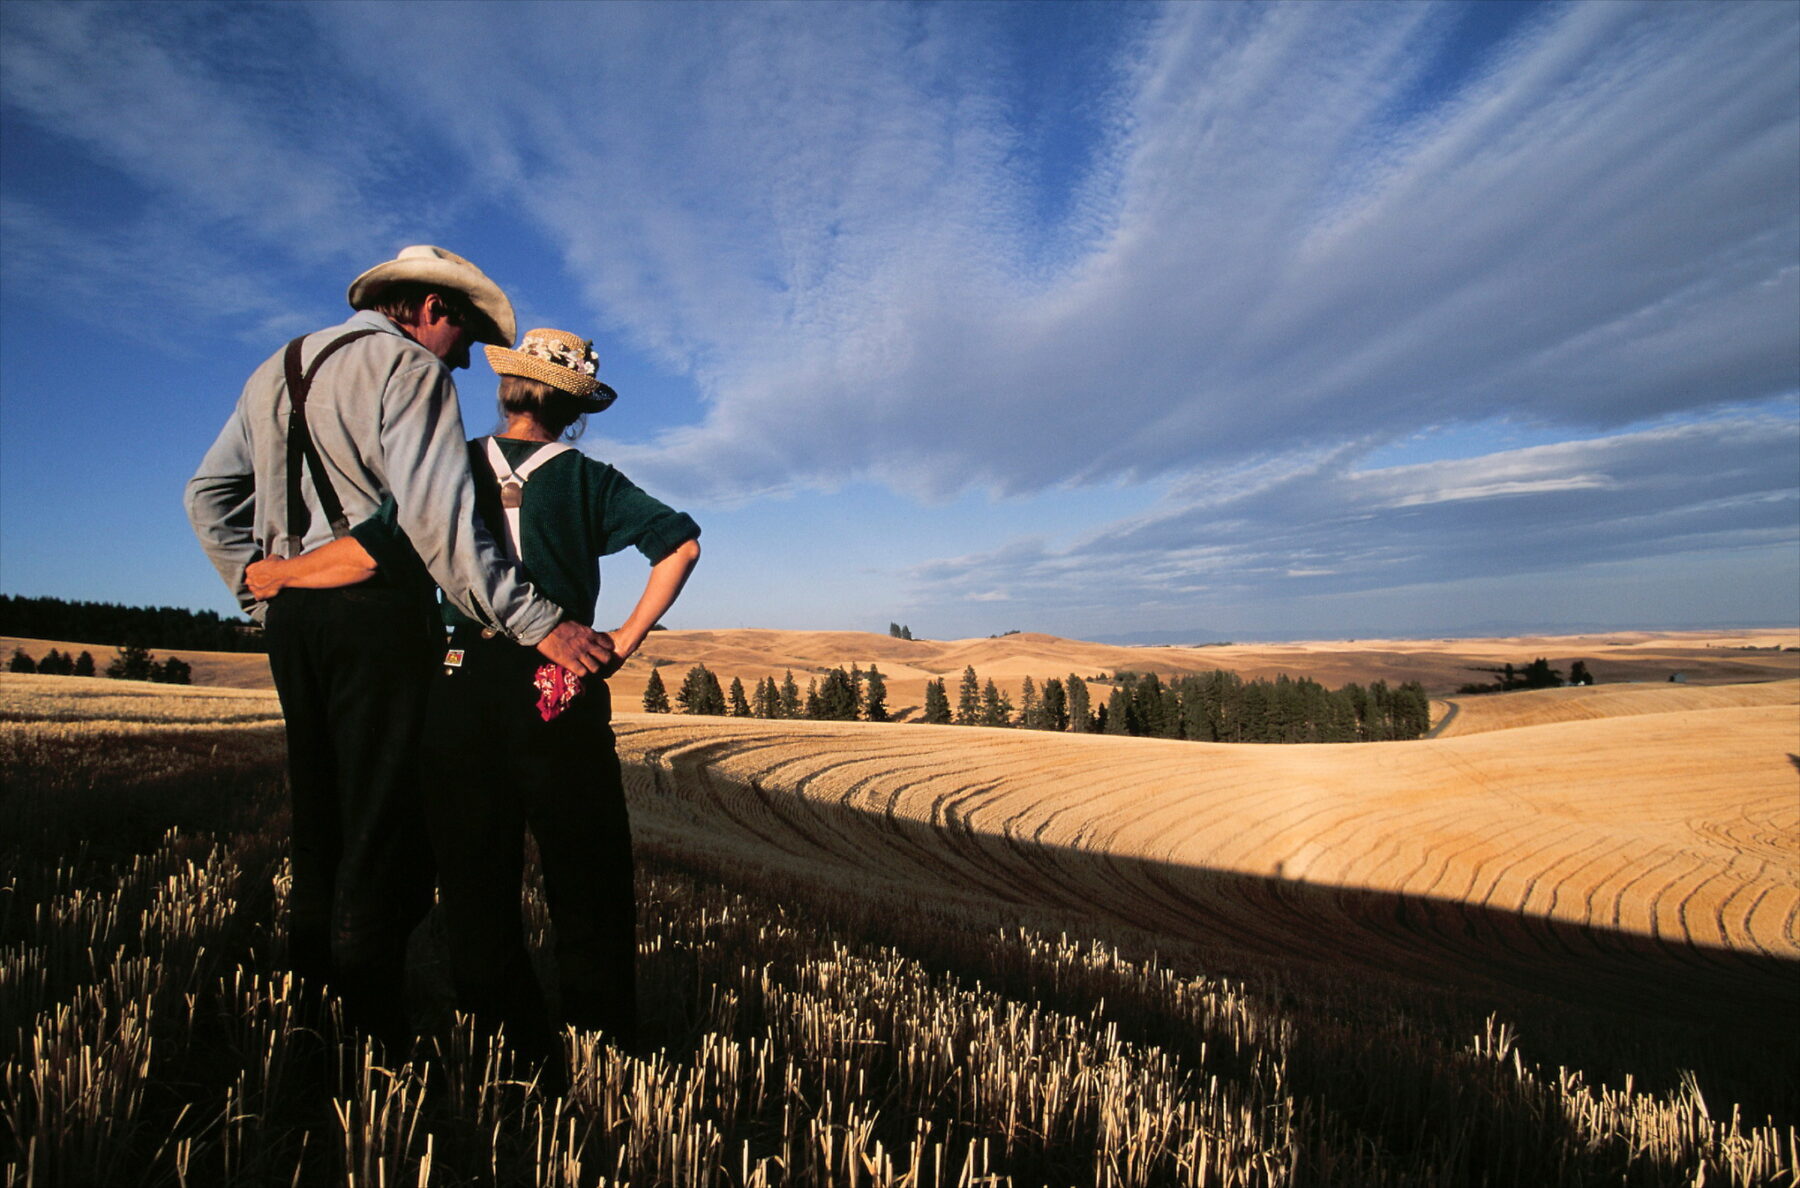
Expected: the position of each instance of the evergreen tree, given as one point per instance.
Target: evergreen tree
(856, 689)
(131, 664)
(768, 699)
(740, 707)
(968, 699)
(1147, 713)
(837, 698)
(996, 706)
(937, 703)
(1118, 717)
(1081, 719)
(84, 664)
(875, 700)
(790, 696)
(1055, 711)
(1028, 706)
(815, 709)
(173, 671)
(656, 698)
(1538, 675)
(1579, 674)
(1412, 711)
(21, 662)
(700, 692)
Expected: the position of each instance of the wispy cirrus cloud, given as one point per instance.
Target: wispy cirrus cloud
(1328, 527)
(1281, 231)
(1216, 251)
(196, 106)
(1285, 234)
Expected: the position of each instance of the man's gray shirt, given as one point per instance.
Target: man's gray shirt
(384, 416)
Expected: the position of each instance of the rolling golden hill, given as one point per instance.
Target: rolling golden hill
(1633, 844)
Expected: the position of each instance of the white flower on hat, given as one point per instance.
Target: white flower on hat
(577, 356)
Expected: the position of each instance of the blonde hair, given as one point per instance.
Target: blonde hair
(559, 413)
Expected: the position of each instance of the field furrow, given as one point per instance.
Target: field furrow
(1653, 843)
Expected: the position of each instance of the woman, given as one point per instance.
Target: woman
(511, 741)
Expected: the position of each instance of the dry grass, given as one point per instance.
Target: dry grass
(224, 670)
(1538, 707)
(856, 970)
(1441, 665)
(1680, 826)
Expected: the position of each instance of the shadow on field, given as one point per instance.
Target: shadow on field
(1664, 1006)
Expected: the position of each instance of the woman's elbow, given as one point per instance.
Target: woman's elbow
(689, 550)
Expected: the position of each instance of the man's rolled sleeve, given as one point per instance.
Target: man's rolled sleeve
(428, 473)
(221, 506)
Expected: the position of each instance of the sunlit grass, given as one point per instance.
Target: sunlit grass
(801, 1034)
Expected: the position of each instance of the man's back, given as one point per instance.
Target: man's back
(384, 416)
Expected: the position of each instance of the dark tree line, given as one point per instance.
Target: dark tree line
(133, 663)
(1223, 707)
(111, 624)
(1536, 675)
(842, 696)
(1216, 707)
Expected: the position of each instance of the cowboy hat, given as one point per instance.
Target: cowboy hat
(565, 361)
(429, 265)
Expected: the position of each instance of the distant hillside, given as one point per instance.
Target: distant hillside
(1440, 665)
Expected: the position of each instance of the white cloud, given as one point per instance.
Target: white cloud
(1325, 527)
(198, 107)
(820, 213)
(825, 214)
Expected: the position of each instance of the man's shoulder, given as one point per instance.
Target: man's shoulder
(377, 352)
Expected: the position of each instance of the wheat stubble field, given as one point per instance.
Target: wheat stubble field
(1655, 850)
(1554, 945)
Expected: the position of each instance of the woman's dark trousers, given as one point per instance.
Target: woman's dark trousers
(493, 767)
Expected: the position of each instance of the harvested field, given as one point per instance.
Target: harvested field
(1441, 665)
(224, 670)
(1538, 707)
(1550, 955)
(1649, 859)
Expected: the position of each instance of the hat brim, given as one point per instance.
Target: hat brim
(593, 395)
(500, 326)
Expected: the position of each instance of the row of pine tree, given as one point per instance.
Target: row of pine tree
(841, 697)
(1215, 707)
(132, 663)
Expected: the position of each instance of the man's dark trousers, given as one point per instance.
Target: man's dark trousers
(353, 667)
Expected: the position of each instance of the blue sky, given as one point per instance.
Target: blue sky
(1207, 320)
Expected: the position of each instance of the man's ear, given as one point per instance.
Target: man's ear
(432, 310)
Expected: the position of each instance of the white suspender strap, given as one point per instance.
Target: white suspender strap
(512, 487)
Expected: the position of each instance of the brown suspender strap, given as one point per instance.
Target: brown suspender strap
(302, 451)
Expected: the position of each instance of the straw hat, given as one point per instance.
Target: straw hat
(564, 361)
(435, 266)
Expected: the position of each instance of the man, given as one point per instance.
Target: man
(377, 416)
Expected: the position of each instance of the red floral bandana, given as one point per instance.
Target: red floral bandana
(556, 687)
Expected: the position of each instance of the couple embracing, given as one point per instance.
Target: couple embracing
(338, 501)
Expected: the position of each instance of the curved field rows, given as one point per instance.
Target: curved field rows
(1652, 859)
(1537, 707)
